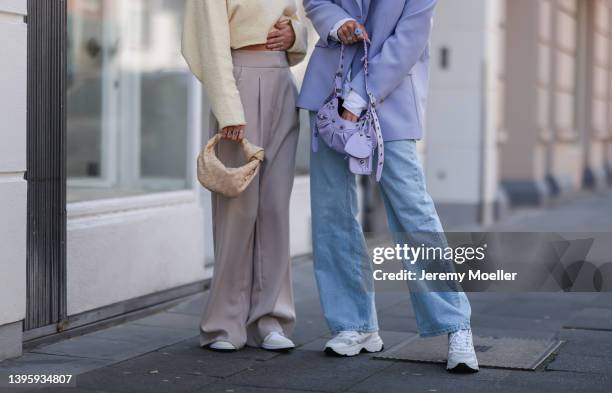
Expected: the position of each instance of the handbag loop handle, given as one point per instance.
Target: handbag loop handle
(371, 114)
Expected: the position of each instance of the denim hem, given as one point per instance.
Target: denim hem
(360, 329)
(446, 330)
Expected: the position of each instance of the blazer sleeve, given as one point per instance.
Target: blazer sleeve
(400, 53)
(207, 49)
(297, 53)
(324, 15)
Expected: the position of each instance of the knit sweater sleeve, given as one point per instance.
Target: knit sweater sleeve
(297, 53)
(207, 49)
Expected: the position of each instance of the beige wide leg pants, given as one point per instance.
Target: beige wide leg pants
(251, 292)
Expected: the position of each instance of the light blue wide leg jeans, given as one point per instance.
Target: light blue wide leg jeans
(342, 266)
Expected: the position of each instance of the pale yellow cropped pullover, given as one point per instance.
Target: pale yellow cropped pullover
(214, 27)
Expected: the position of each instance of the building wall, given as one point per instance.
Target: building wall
(463, 112)
(524, 103)
(122, 249)
(522, 155)
(557, 98)
(607, 135)
(539, 100)
(597, 121)
(13, 35)
(561, 43)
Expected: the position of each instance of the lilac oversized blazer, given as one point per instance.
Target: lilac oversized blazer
(400, 31)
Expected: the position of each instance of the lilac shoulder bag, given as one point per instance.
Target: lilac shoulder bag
(360, 140)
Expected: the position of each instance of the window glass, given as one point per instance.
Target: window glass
(129, 98)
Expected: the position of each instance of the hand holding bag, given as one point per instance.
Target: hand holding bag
(360, 140)
(229, 182)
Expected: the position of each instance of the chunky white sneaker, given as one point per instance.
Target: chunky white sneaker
(277, 342)
(351, 343)
(461, 354)
(222, 346)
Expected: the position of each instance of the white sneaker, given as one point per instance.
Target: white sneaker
(461, 354)
(351, 343)
(222, 346)
(277, 342)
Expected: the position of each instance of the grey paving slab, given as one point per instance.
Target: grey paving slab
(604, 300)
(487, 298)
(309, 307)
(397, 323)
(586, 342)
(566, 361)
(172, 321)
(553, 381)
(118, 343)
(571, 299)
(304, 284)
(393, 338)
(146, 336)
(38, 363)
(510, 353)
(535, 313)
(402, 307)
(310, 323)
(483, 320)
(591, 318)
(307, 330)
(309, 370)
(95, 348)
(131, 378)
(413, 377)
(199, 363)
(193, 306)
(432, 370)
(228, 388)
(535, 307)
(394, 300)
(515, 333)
(57, 389)
(192, 347)
(480, 305)
(317, 345)
(583, 214)
(421, 384)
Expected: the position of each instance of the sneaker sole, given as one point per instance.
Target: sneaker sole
(222, 350)
(277, 349)
(462, 368)
(374, 347)
(330, 352)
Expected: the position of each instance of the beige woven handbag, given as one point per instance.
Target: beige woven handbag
(229, 182)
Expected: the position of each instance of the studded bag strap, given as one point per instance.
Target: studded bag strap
(372, 119)
(338, 80)
(337, 93)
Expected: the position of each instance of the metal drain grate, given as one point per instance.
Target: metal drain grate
(493, 352)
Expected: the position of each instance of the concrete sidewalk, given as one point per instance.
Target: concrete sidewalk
(160, 353)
